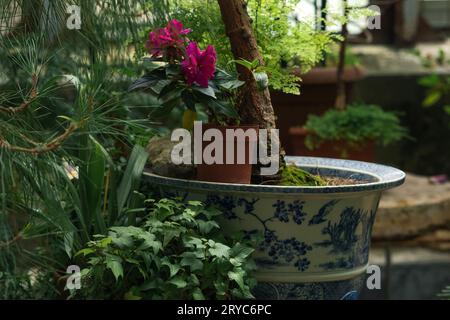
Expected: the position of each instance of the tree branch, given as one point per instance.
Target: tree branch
(42, 148)
(25, 104)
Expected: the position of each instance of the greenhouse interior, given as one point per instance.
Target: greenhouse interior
(233, 150)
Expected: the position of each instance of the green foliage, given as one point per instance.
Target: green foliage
(438, 90)
(356, 124)
(283, 43)
(175, 253)
(77, 116)
(165, 82)
(24, 286)
(292, 175)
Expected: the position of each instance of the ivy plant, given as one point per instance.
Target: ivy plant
(174, 254)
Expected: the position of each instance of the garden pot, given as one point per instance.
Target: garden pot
(318, 94)
(228, 173)
(316, 239)
(330, 149)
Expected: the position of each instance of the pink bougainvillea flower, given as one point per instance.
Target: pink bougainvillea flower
(199, 66)
(170, 37)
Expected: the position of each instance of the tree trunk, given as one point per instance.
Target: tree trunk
(341, 100)
(254, 105)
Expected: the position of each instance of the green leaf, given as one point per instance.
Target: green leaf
(190, 260)
(205, 91)
(231, 84)
(262, 80)
(432, 98)
(429, 81)
(241, 252)
(197, 294)
(131, 296)
(205, 227)
(132, 175)
(122, 240)
(178, 282)
(114, 263)
(447, 109)
(238, 276)
(250, 65)
(144, 82)
(188, 99)
(85, 252)
(223, 107)
(219, 250)
(151, 64)
(150, 242)
(173, 268)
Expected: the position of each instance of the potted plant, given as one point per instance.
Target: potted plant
(351, 133)
(337, 68)
(181, 75)
(316, 236)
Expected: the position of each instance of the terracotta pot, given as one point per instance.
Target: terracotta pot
(228, 173)
(318, 94)
(330, 149)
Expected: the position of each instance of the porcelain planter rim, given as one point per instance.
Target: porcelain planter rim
(381, 178)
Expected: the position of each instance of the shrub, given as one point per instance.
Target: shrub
(174, 254)
(356, 124)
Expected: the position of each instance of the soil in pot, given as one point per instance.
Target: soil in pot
(229, 173)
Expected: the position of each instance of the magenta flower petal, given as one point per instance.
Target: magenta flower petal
(199, 66)
(171, 36)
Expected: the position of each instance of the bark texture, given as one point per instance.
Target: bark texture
(254, 106)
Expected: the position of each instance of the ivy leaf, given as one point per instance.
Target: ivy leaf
(122, 240)
(173, 268)
(197, 294)
(240, 252)
(189, 259)
(238, 276)
(178, 282)
(114, 263)
(150, 242)
(219, 250)
(205, 227)
(130, 295)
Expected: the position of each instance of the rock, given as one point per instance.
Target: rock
(414, 209)
(159, 149)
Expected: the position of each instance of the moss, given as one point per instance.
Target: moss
(292, 175)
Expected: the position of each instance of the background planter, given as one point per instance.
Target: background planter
(330, 149)
(316, 239)
(318, 94)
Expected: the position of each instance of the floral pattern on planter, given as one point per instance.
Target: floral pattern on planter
(335, 290)
(287, 250)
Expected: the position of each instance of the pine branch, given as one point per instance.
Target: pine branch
(42, 148)
(25, 104)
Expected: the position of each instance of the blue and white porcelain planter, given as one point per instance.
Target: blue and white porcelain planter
(316, 239)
